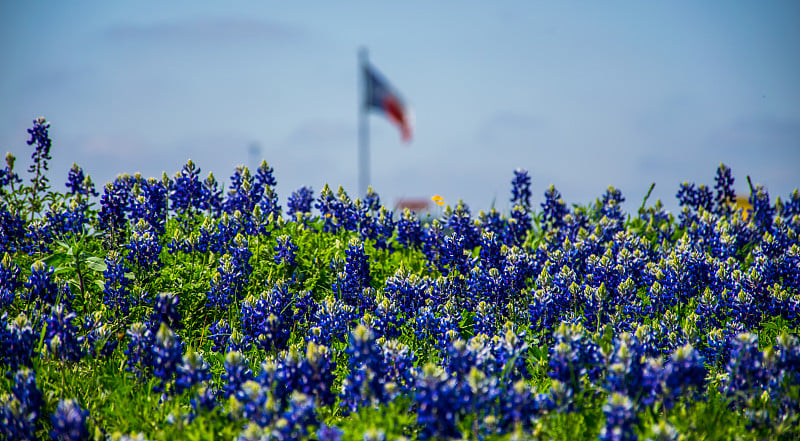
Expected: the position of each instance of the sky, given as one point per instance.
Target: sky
(583, 95)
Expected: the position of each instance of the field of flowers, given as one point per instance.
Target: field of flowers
(167, 308)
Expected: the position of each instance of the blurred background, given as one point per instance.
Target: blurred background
(580, 94)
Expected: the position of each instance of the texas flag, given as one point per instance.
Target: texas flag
(380, 95)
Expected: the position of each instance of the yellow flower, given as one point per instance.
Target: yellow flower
(438, 200)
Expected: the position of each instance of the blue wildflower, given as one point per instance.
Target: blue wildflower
(521, 189)
(285, 251)
(69, 422)
(621, 419)
(300, 201)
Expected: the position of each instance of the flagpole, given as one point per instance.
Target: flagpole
(363, 126)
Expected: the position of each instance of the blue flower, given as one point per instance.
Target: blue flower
(186, 192)
(113, 203)
(237, 373)
(41, 154)
(7, 174)
(521, 189)
(21, 411)
(725, 197)
(353, 277)
(61, 335)
(9, 274)
(40, 284)
(553, 210)
(192, 371)
(167, 352)
(116, 294)
(620, 419)
(573, 356)
(69, 422)
(144, 248)
(139, 353)
(409, 230)
(17, 340)
(166, 311)
(300, 201)
(285, 251)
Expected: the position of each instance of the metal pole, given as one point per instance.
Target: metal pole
(363, 125)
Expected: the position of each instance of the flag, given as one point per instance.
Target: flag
(381, 96)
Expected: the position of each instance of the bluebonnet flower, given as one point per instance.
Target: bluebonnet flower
(329, 433)
(518, 226)
(455, 255)
(66, 222)
(186, 192)
(332, 321)
(268, 321)
(791, 208)
(61, 336)
(78, 183)
(763, 211)
(520, 406)
(237, 373)
(409, 230)
(459, 220)
(21, 410)
(166, 311)
(553, 210)
(573, 356)
(139, 353)
(485, 320)
(41, 154)
(38, 237)
(242, 196)
(116, 294)
(100, 337)
(725, 196)
(150, 204)
(432, 239)
(69, 422)
(192, 371)
(626, 371)
(684, 371)
(521, 189)
(285, 251)
(232, 275)
(352, 277)
(144, 248)
(748, 375)
(7, 174)
(438, 326)
(620, 419)
(227, 339)
(366, 385)
(12, 230)
(113, 203)
(440, 400)
(9, 274)
(167, 352)
(270, 204)
(16, 341)
(311, 374)
(492, 221)
(212, 196)
(300, 201)
(40, 284)
(382, 229)
(408, 291)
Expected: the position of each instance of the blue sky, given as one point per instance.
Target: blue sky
(584, 95)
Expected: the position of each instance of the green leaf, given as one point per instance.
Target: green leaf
(95, 263)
